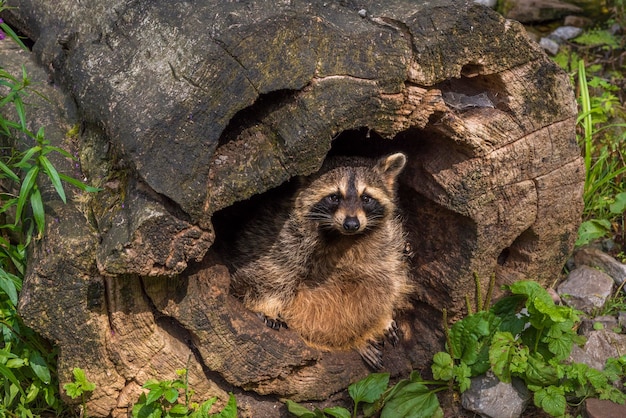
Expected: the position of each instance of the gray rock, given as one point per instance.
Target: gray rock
(549, 45)
(488, 3)
(594, 257)
(491, 398)
(578, 21)
(586, 289)
(566, 32)
(599, 408)
(600, 346)
(528, 11)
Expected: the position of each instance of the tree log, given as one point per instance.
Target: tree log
(191, 110)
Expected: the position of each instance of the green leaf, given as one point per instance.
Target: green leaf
(442, 366)
(337, 412)
(299, 410)
(54, 176)
(462, 374)
(16, 363)
(78, 183)
(8, 172)
(591, 230)
(171, 395)
(40, 367)
(415, 400)
(142, 410)
(7, 285)
(230, 410)
(500, 355)
(19, 109)
(539, 372)
(25, 190)
(72, 390)
(178, 409)
(619, 206)
(39, 214)
(369, 389)
(31, 393)
(11, 34)
(560, 347)
(25, 162)
(551, 399)
(203, 410)
(154, 395)
(8, 374)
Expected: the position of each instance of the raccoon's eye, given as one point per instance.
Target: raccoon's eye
(366, 199)
(333, 198)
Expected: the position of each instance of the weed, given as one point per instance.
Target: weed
(162, 400)
(27, 362)
(80, 387)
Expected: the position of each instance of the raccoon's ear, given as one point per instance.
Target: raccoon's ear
(390, 166)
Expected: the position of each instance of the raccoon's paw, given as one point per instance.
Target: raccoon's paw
(392, 334)
(372, 354)
(273, 323)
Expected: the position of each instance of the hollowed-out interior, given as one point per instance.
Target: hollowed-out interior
(440, 240)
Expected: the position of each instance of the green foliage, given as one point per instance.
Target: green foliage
(28, 383)
(598, 38)
(81, 387)
(409, 398)
(163, 399)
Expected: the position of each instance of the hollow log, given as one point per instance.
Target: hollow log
(189, 112)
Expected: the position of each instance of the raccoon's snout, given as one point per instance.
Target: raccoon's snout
(351, 224)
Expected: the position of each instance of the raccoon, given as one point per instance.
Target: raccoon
(329, 263)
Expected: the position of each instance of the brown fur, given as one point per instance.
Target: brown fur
(337, 288)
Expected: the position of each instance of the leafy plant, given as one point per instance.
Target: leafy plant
(407, 398)
(163, 400)
(80, 387)
(27, 362)
(604, 192)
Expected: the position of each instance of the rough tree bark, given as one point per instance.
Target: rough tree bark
(188, 107)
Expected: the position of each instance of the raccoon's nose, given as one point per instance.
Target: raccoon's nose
(351, 224)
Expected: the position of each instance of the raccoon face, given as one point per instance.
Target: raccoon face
(353, 199)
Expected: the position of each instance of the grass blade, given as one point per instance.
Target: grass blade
(9, 173)
(53, 175)
(585, 103)
(79, 184)
(38, 211)
(25, 191)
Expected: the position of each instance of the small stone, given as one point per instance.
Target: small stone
(594, 257)
(616, 29)
(586, 289)
(549, 45)
(363, 13)
(597, 408)
(566, 32)
(578, 21)
(600, 346)
(532, 11)
(491, 398)
(489, 3)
